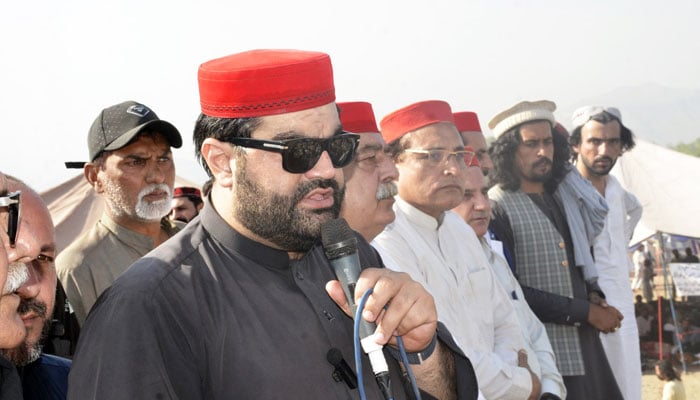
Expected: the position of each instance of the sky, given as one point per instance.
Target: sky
(63, 62)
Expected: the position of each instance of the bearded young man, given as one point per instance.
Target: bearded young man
(43, 376)
(598, 139)
(131, 167)
(243, 302)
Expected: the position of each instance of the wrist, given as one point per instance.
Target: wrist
(417, 357)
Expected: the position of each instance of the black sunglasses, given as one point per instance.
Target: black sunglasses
(300, 155)
(11, 201)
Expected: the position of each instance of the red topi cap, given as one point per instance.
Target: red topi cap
(415, 116)
(474, 160)
(467, 121)
(357, 117)
(257, 83)
(185, 191)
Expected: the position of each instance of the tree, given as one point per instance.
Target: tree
(692, 148)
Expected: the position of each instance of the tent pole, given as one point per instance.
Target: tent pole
(669, 295)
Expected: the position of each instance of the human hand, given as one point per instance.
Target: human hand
(410, 311)
(536, 384)
(606, 319)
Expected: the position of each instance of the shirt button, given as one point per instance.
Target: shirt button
(564, 263)
(562, 245)
(299, 275)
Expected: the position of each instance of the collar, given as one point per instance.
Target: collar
(417, 216)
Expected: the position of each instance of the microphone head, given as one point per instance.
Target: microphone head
(338, 239)
(334, 356)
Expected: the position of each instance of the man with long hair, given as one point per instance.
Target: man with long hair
(529, 217)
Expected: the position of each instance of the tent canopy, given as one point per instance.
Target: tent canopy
(75, 207)
(667, 183)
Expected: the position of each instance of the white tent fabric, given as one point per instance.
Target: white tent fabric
(75, 207)
(667, 183)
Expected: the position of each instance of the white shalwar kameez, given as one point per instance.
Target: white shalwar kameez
(448, 261)
(614, 267)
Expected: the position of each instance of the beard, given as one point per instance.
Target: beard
(143, 210)
(277, 218)
(600, 170)
(28, 352)
(541, 177)
(17, 274)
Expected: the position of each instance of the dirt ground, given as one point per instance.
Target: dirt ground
(652, 386)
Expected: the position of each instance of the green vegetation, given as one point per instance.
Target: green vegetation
(692, 148)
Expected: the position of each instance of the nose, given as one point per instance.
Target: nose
(30, 288)
(453, 164)
(156, 173)
(323, 169)
(387, 169)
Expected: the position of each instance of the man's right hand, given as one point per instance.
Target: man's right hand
(536, 384)
(605, 319)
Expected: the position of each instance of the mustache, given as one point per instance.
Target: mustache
(387, 190)
(307, 187)
(603, 158)
(17, 274)
(544, 161)
(153, 187)
(39, 308)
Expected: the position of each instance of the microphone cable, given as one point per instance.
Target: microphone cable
(382, 378)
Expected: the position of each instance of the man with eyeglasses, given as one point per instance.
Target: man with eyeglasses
(131, 167)
(532, 222)
(43, 376)
(243, 302)
(598, 138)
(439, 250)
(467, 123)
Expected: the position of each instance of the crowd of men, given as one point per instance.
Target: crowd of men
(496, 272)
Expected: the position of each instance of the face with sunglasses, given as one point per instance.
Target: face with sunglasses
(431, 168)
(287, 178)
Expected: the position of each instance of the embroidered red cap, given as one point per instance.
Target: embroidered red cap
(186, 191)
(357, 117)
(473, 160)
(414, 116)
(265, 82)
(467, 121)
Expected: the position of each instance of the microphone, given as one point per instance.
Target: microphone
(342, 371)
(340, 246)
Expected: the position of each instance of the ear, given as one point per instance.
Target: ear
(218, 156)
(90, 171)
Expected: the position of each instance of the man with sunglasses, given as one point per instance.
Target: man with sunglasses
(243, 302)
(439, 250)
(131, 167)
(43, 376)
(12, 331)
(597, 140)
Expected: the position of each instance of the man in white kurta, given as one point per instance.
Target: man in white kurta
(475, 210)
(598, 139)
(440, 251)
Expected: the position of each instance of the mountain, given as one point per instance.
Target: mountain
(662, 115)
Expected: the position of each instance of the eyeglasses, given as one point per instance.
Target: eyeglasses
(300, 155)
(11, 201)
(436, 157)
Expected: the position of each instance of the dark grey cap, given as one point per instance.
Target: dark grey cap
(117, 125)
